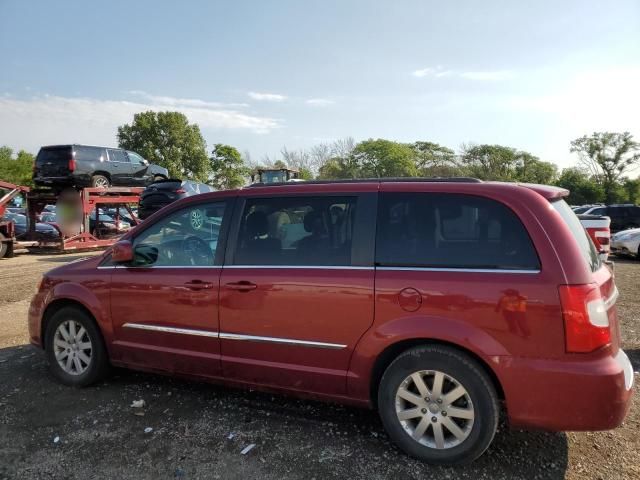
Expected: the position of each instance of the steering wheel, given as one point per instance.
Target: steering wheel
(197, 251)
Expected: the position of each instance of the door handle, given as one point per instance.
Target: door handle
(198, 285)
(243, 286)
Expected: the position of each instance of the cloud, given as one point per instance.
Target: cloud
(319, 102)
(50, 119)
(436, 72)
(183, 102)
(439, 72)
(267, 97)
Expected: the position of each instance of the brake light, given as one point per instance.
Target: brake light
(72, 164)
(181, 190)
(586, 322)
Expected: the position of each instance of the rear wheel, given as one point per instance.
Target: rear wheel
(100, 181)
(3, 246)
(75, 348)
(439, 405)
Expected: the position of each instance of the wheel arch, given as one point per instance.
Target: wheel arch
(54, 307)
(391, 352)
(104, 173)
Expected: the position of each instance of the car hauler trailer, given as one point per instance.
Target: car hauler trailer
(88, 200)
(8, 243)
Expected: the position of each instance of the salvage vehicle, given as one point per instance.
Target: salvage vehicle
(91, 166)
(626, 243)
(161, 193)
(439, 302)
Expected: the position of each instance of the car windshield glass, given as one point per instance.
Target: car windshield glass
(587, 248)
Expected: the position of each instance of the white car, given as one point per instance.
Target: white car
(626, 242)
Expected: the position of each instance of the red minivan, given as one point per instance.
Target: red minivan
(438, 302)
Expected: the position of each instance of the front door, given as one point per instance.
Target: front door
(164, 306)
(297, 290)
(120, 167)
(139, 169)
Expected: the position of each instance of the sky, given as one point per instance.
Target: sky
(260, 75)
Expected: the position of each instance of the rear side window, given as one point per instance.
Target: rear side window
(296, 231)
(598, 211)
(118, 156)
(451, 231)
(54, 155)
(587, 248)
(90, 154)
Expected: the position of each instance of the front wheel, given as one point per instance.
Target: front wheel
(3, 246)
(100, 181)
(75, 349)
(439, 405)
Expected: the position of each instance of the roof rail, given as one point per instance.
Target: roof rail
(370, 180)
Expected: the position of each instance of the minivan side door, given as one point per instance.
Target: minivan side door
(120, 167)
(297, 289)
(164, 305)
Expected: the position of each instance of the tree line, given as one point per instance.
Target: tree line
(605, 160)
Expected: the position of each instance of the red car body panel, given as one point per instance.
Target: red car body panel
(349, 317)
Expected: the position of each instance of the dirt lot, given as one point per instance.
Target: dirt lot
(199, 430)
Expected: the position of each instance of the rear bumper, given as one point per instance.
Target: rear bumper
(579, 394)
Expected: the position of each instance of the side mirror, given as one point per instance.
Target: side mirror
(145, 161)
(122, 252)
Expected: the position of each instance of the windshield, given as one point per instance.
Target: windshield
(587, 248)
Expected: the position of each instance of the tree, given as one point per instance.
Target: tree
(17, 170)
(384, 158)
(435, 160)
(530, 169)
(168, 139)
(228, 168)
(300, 160)
(582, 189)
(607, 156)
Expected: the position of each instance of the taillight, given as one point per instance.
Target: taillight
(181, 190)
(603, 237)
(586, 322)
(72, 164)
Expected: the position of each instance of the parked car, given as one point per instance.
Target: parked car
(584, 208)
(436, 302)
(622, 217)
(89, 166)
(162, 193)
(106, 225)
(44, 231)
(626, 242)
(599, 229)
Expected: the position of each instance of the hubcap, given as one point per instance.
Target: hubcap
(101, 182)
(434, 409)
(196, 219)
(72, 347)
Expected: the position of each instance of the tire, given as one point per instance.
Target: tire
(87, 373)
(100, 181)
(3, 246)
(476, 411)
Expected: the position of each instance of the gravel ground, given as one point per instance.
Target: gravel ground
(200, 430)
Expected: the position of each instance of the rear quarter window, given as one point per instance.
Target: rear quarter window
(451, 231)
(90, 154)
(587, 249)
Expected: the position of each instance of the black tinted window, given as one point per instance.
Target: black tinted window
(54, 155)
(296, 231)
(598, 211)
(451, 231)
(90, 154)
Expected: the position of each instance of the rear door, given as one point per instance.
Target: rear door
(297, 289)
(164, 306)
(120, 167)
(53, 162)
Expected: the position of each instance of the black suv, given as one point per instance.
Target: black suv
(622, 217)
(87, 166)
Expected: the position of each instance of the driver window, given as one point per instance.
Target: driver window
(186, 238)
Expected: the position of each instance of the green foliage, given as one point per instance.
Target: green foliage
(435, 160)
(384, 158)
(227, 166)
(583, 189)
(632, 190)
(607, 156)
(167, 139)
(17, 170)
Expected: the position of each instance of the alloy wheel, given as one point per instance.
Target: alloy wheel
(72, 347)
(197, 219)
(434, 409)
